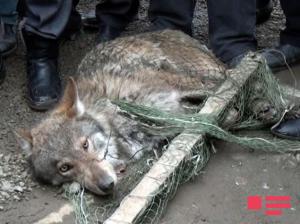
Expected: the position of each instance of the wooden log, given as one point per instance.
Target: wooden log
(136, 203)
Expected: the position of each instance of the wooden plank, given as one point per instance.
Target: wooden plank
(135, 204)
(290, 91)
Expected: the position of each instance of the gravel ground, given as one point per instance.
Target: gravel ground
(17, 188)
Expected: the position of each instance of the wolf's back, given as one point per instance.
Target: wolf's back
(157, 58)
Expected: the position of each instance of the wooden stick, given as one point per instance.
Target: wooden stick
(290, 91)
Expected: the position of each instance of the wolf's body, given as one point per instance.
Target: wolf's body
(85, 138)
(153, 69)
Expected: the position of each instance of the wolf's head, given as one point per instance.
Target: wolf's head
(70, 146)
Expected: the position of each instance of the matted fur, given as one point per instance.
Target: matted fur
(85, 138)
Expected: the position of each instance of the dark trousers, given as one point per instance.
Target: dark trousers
(8, 11)
(177, 14)
(232, 26)
(117, 13)
(291, 33)
(262, 3)
(51, 18)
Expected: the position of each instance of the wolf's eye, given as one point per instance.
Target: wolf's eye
(85, 145)
(64, 168)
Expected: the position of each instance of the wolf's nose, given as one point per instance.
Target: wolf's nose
(108, 186)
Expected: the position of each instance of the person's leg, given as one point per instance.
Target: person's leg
(47, 19)
(172, 14)
(45, 24)
(113, 16)
(291, 34)
(232, 28)
(8, 11)
(264, 9)
(289, 48)
(262, 3)
(8, 21)
(73, 26)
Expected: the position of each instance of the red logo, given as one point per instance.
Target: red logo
(272, 204)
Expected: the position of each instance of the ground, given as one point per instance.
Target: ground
(219, 195)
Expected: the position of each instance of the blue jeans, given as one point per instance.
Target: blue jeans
(8, 11)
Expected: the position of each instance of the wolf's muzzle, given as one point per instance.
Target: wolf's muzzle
(107, 186)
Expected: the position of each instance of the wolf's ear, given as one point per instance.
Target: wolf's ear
(24, 138)
(70, 103)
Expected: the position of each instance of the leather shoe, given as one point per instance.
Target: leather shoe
(278, 57)
(43, 81)
(263, 12)
(289, 129)
(108, 33)
(2, 70)
(8, 39)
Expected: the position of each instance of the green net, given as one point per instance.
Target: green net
(260, 103)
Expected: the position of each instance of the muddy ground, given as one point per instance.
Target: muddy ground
(217, 196)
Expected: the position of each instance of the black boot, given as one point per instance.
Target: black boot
(289, 129)
(106, 32)
(278, 58)
(2, 70)
(44, 85)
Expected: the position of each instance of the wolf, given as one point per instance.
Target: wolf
(86, 138)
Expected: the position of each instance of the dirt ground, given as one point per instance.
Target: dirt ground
(217, 196)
